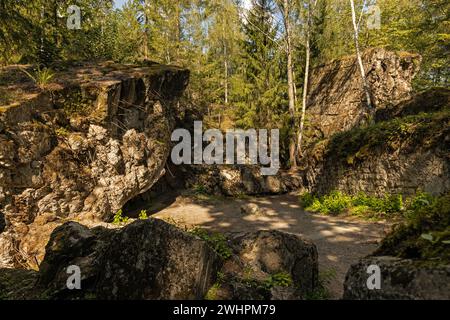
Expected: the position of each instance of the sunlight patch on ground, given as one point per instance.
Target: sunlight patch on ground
(332, 258)
(225, 224)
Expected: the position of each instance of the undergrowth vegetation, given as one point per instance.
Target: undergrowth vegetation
(5, 97)
(425, 235)
(119, 218)
(423, 129)
(215, 240)
(41, 77)
(363, 205)
(322, 291)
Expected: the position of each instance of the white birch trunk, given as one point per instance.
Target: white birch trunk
(358, 55)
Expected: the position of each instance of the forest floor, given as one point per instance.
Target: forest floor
(341, 241)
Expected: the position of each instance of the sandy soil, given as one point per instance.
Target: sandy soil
(341, 241)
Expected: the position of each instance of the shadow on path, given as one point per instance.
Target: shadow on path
(340, 241)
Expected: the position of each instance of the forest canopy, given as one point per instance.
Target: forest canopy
(246, 57)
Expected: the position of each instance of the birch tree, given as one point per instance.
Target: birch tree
(308, 29)
(285, 8)
(356, 26)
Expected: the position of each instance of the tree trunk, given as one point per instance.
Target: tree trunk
(226, 81)
(291, 91)
(42, 35)
(306, 79)
(360, 62)
(146, 31)
(226, 71)
(178, 31)
(55, 24)
(305, 95)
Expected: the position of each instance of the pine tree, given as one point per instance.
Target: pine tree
(262, 64)
(223, 47)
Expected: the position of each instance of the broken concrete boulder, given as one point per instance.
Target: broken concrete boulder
(336, 100)
(151, 259)
(93, 143)
(251, 209)
(147, 259)
(269, 265)
(399, 279)
(382, 157)
(240, 180)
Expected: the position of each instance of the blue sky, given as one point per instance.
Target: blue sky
(119, 3)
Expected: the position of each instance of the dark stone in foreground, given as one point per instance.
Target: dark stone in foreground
(401, 279)
(145, 260)
(152, 260)
(18, 284)
(270, 265)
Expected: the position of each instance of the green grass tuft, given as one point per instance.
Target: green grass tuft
(364, 205)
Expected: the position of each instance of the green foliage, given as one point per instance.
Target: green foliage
(41, 77)
(260, 84)
(238, 61)
(215, 240)
(212, 292)
(119, 218)
(62, 132)
(281, 279)
(322, 292)
(143, 215)
(334, 203)
(364, 205)
(426, 233)
(406, 25)
(307, 200)
(16, 26)
(5, 97)
(424, 130)
(389, 204)
(437, 237)
(199, 189)
(421, 200)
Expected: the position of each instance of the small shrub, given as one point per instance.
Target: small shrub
(216, 240)
(143, 215)
(364, 205)
(212, 292)
(336, 202)
(62, 132)
(360, 210)
(364, 200)
(281, 279)
(421, 200)
(199, 189)
(425, 235)
(211, 295)
(41, 77)
(393, 204)
(322, 292)
(307, 200)
(119, 219)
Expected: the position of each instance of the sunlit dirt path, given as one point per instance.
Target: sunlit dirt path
(340, 241)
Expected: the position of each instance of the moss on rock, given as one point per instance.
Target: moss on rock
(426, 235)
